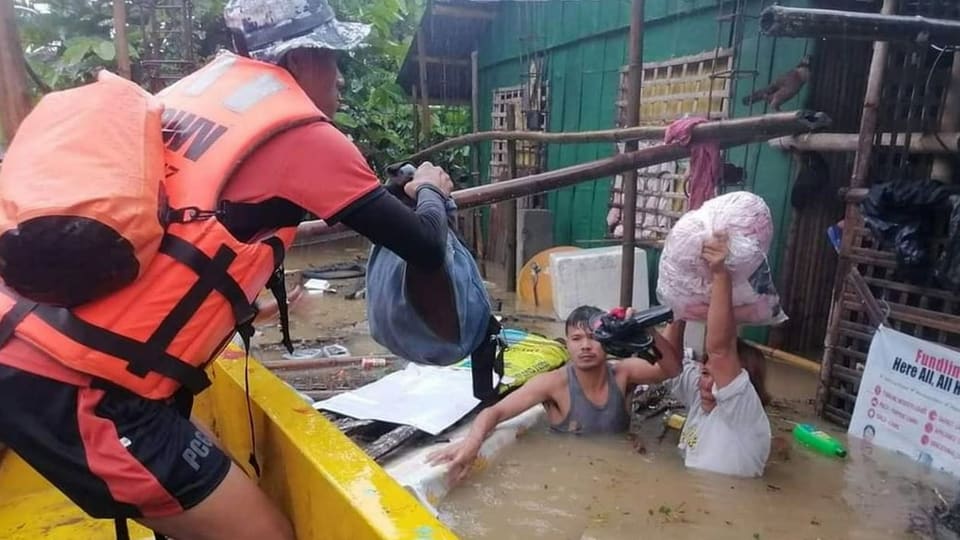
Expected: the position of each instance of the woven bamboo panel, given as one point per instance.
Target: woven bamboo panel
(528, 152)
(688, 85)
(921, 310)
(529, 160)
(661, 200)
(694, 85)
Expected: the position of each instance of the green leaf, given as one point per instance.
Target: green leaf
(75, 53)
(344, 120)
(106, 51)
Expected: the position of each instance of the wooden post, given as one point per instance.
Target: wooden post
(120, 39)
(852, 218)
(424, 88)
(949, 121)
(14, 97)
(475, 96)
(476, 215)
(510, 207)
(629, 212)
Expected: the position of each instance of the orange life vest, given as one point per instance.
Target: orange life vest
(158, 333)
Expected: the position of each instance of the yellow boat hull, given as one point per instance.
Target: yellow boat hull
(325, 484)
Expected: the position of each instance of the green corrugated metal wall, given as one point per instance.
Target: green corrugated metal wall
(585, 44)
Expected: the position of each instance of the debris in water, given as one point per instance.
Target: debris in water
(814, 522)
(371, 363)
(358, 294)
(309, 353)
(333, 351)
(601, 517)
(319, 285)
(671, 515)
(773, 487)
(304, 354)
(386, 444)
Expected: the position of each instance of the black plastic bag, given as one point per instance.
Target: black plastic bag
(948, 268)
(903, 213)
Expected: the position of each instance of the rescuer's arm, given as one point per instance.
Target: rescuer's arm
(418, 236)
(322, 171)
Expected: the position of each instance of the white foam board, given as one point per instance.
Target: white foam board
(592, 277)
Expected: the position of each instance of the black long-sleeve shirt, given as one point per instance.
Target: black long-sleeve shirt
(418, 236)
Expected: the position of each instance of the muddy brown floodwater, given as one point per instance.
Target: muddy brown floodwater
(323, 318)
(565, 487)
(559, 487)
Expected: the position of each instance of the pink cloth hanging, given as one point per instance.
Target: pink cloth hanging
(704, 159)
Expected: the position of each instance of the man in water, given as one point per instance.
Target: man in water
(587, 396)
(727, 430)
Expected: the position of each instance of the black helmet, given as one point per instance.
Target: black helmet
(267, 29)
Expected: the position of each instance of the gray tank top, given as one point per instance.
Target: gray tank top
(585, 417)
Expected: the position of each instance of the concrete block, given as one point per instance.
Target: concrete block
(592, 277)
(534, 233)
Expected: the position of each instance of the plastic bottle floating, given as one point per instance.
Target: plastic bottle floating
(817, 440)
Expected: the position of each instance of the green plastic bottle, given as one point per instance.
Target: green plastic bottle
(813, 438)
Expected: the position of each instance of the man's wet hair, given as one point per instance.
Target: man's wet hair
(580, 318)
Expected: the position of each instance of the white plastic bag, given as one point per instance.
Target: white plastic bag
(685, 281)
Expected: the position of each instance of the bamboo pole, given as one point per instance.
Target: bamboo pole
(858, 179)
(328, 362)
(477, 217)
(787, 358)
(120, 41)
(640, 133)
(783, 21)
(947, 142)
(510, 206)
(629, 212)
(726, 133)
(14, 97)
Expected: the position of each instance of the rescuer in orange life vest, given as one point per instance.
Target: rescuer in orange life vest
(88, 407)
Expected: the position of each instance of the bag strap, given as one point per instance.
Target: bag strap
(13, 318)
(486, 360)
(278, 287)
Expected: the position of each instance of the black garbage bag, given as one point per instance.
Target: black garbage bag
(902, 214)
(948, 267)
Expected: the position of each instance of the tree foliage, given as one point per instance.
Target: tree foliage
(375, 111)
(66, 41)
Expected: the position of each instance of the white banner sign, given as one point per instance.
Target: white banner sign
(909, 399)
